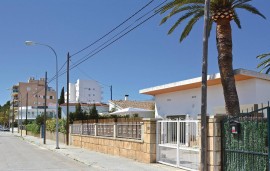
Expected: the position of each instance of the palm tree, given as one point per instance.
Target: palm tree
(265, 63)
(222, 12)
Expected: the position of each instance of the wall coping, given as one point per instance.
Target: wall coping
(110, 138)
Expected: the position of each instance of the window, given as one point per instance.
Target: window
(89, 95)
(93, 88)
(89, 89)
(51, 97)
(93, 94)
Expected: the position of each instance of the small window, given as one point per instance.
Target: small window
(93, 94)
(93, 88)
(89, 89)
(51, 97)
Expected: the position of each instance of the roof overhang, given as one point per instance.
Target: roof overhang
(239, 75)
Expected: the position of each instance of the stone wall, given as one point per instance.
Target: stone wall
(52, 136)
(141, 150)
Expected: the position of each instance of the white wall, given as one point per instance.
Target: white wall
(85, 91)
(251, 91)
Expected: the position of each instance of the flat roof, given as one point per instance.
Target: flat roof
(214, 79)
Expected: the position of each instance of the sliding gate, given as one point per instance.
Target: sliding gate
(177, 143)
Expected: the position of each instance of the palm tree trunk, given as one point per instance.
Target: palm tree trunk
(224, 46)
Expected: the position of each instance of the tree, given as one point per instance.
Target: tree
(222, 12)
(79, 113)
(62, 97)
(61, 101)
(265, 64)
(94, 112)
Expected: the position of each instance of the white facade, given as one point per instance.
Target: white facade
(32, 113)
(251, 90)
(84, 91)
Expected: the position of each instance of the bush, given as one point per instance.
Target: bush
(33, 127)
(51, 125)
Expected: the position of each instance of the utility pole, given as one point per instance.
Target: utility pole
(26, 122)
(67, 125)
(111, 91)
(45, 107)
(12, 115)
(203, 164)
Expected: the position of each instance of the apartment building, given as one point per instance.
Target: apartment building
(31, 95)
(84, 91)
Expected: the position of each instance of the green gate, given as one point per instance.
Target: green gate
(245, 141)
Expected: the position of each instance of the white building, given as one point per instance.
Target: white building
(84, 91)
(183, 98)
(101, 108)
(33, 112)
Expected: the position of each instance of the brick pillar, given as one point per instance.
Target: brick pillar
(214, 141)
(149, 138)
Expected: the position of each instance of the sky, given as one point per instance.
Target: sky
(143, 58)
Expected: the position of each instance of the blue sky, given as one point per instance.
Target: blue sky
(144, 58)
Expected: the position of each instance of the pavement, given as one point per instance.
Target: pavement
(94, 159)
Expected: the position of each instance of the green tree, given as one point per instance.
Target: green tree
(79, 113)
(265, 64)
(61, 101)
(62, 97)
(93, 112)
(222, 12)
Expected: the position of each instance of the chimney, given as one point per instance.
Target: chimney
(126, 97)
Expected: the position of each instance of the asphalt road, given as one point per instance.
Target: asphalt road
(19, 155)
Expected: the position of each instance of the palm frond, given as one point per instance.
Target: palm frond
(265, 63)
(263, 55)
(185, 16)
(236, 20)
(178, 3)
(190, 24)
(176, 11)
(238, 2)
(250, 8)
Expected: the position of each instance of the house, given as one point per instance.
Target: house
(84, 91)
(179, 99)
(116, 105)
(101, 108)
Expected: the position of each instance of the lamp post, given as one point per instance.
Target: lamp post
(30, 43)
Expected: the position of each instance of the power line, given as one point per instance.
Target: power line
(87, 56)
(91, 55)
(112, 29)
(82, 71)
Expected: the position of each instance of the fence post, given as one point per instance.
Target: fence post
(178, 141)
(95, 129)
(81, 134)
(187, 129)
(268, 131)
(142, 130)
(115, 130)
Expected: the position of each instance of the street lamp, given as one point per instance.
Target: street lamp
(31, 43)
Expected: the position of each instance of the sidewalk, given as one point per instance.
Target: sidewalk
(94, 159)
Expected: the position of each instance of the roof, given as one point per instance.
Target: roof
(239, 74)
(148, 105)
(86, 104)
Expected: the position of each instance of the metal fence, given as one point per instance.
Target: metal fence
(177, 143)
(128, 130)
(246, 141)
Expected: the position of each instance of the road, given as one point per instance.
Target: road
(19, 155)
